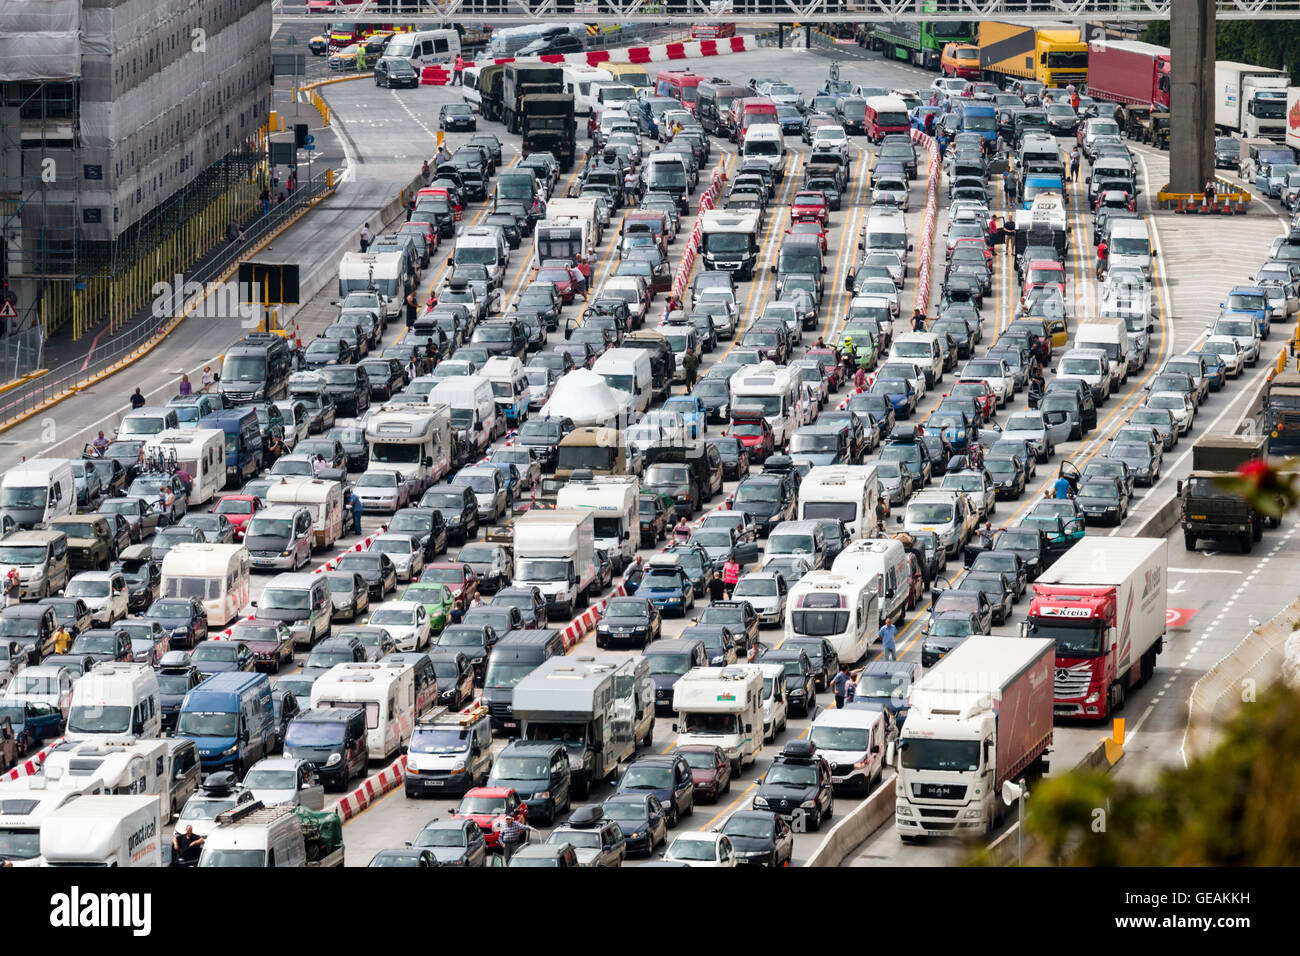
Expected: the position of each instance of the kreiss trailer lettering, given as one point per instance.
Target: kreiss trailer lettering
(1104, 605)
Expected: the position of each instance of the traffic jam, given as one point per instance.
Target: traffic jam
(632, 543)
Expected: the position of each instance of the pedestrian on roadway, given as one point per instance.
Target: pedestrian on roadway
(426, 173)
(137, 400)
(356, 507)
(1074, 162)
(458, 73)
(185, 387)
(412, 308)
(367, 237)
(887, 635)
(207, 378)
(511, 835)
(730, 575)
(986, 536)
(840, 685)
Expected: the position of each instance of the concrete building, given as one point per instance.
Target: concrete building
(118, 119)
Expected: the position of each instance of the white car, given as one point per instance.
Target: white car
(977, 485)
(404, 550)
(766, 591)
(406, 621)
(915, 374)
(890, 191)
(1177, 403)
(381, 489)
(995, 372)
(950, 84)
(1244, 331)
(104, 592)
(702, 849)
(891, 261)
(883, 288)
(831, 137)
(43, 684)
(285, 781)
(1228, 349)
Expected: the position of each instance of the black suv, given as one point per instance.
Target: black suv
(767, 498)
(349, 386)
(797, 786)
(539, 773)
(459, 509)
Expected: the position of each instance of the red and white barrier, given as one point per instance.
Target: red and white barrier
(581, 625)
(707, 200)
(928, 220)
(659, 53)
(371, 789)
(32, 764)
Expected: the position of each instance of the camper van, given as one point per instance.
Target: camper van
(583, 82)
(38, 490)
(413, 439)
(26, 802)
(141, 767)
(200, 451)
(471, 408)
(216, 574)
(509, 387)
(842, 610)
(386, 694)
(104, 830)
(115, 701)
(382, 272)
(886, 561)
(322, 499)
(722, 707)
(775, 389)
(613, 502)
(846, 492)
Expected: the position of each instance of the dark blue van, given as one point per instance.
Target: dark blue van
(243, 442)
(230, 719)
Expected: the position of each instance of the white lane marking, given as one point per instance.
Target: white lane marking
(1203, 571)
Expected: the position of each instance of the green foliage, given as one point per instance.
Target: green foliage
(1234, 807)
(1262, 42)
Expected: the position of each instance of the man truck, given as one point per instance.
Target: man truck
(979, 718)
(1103, 605)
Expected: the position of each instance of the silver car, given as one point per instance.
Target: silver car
(1032, 426)
(404, 550)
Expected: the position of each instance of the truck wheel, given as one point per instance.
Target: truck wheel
(736, 769)
(1257, 529)
(1247, 545)
(1189, 541)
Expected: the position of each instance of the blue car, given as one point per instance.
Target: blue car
(31, 723)
(921, 112)
(1247, 301)
(955, 426)
(900, 393)
(692, 410)
(666, 585)
(668, 777)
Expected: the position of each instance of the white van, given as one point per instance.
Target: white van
(300, 600)
(216, 574)
(141, 767)
(581, 80)
(425, 47)
(473, 407)
(386, 694)
(627, 370)
(766, 142)
(200, 451)
(322, 499)
(147, 420)
(846, 492)
(115, 700)
(37, 491)
(886, 561)
(483, 246)
(920, 348)
(254, 835)
(1090, 366)
(852, 739)
(382, 272)
(614, 501)
(886, 231)
(509, 386)
(1110, 334)
(776, 708)
(844, 610)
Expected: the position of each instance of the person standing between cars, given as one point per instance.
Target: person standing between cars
(62, 640)
(918, 322)
(426, 173)
(1009, 187)
(367, 237)
(318, 464)
(355, 505)
(101, 442)
(840, 686)
(185, 387)
(1074, 159)
(882, 511)
(860, 378)
(1009, 234)
(730, 575)
(511, 835)
(1061, 488)
(458, 71)
(207, 379)
(187, 480)
(412, 307)
(1074, 99)
(887, 634)
(1102, 250)
(986, 536)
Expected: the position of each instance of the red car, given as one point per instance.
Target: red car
(1043, 273)
(754, 433)
(270, 641)
(979, 390)
(238, 509)
(459, 577)
(710, 770)
(561, 278)
(809, 204)
(427, 229)
(809, 228)
(489, 807)
(830, 363)
(963, 242)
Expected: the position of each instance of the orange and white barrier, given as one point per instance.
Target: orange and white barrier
(32, 764)
(928, 220)
(371, 789)
(707, 201)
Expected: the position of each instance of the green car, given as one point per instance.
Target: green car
(437, 601)
(864, 337)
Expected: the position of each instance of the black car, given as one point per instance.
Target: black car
(458, 507)
(455, 677)
(1227, 152)
(427, 524)
(737, 616)
(825, 662)
(760, 837)
(385, 376)
(394, 71)
(666, 776)
(177, 676)
(509, 227)
(376, 569)
(349, 386)
(474, 641)
(1029, 543)
(542, 437)
(184, 619)
(529, 601)
(798, 775)
(285, 707)
(800, 682)
(734, 455)
(768, 498)
(457, 116)
(642, 819)
(629, 620)
(356, 448)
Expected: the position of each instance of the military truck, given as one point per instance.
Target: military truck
(1282, 414)
(522, 79)
(1211, 511)
(549, 126)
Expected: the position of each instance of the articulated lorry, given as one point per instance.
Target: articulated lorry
(1250, 100)
(548, 126)
(1130, 72)
(1103, 604)
(979, 718)
(555, 550)
(1210, 511)
(598, 707)
(1054, 54)
(527, 79)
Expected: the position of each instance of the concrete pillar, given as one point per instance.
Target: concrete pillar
(1191, 120)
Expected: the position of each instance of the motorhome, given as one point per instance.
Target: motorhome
(613, 502)
(386, 694)
(722, 707)
(570, 238)
(216, 574)
(201, 452)
(600, 708)
(37, 491)
(413, 439)
(322, 498)
(104, 830)
(24, 805)
(115, 701)
(843, 610)
(583, 82)
(846, 492)
(471, 409)
(775, 389)
(730, 241)
(382, 272)
(885, 561)
(135, 767)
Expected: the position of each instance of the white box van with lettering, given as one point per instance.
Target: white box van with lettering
(105, 830)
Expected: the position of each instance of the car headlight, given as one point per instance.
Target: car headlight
(760, 801)
(544, 795)
(230, 751)
(808, 804)
(334, 759)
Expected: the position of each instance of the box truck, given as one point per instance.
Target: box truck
(555, 550)
(1129, 72)
(613, 502)
(104, 830)
(1103, 605)
(1250, 100)
(722, 707)
(979, 718)
(1293, 117)
(25, 803)
(1110, 334)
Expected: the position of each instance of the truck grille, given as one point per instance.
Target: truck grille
(500, 709)
(1072, 682)
(939, 791)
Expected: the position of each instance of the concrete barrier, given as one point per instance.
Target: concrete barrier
(858, 824)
